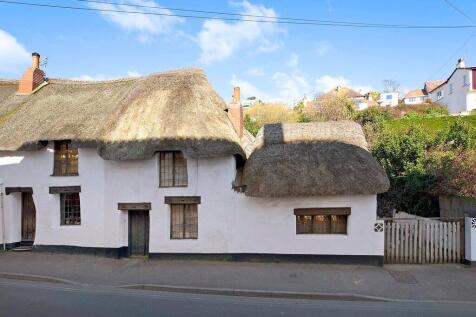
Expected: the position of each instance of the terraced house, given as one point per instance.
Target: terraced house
(160, 165)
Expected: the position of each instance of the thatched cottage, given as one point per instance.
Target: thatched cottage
(161, 165)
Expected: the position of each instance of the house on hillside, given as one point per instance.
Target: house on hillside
(388, 99)
(458, 92)
(160, 165)
(415, 97)
(418, 96)
(360, 101)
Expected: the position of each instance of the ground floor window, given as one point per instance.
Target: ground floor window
(183, 221)
(321, 220)
(70, 209)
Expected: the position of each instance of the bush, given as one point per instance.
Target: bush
(373, 115)
(330, 108)
(460, 135)
(456, 173)
(424, 110)
(251, 125)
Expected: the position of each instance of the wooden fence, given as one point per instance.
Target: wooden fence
(424, 241)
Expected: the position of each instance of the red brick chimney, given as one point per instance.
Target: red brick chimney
(235, 112)
(33, 76)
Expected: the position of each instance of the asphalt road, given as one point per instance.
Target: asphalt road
(21, 298)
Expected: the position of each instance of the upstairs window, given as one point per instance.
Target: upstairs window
(451, 88)
(321, 220)
(172, 170)
(65, 159)
(389, 97)
(70, 209)
(439, 95)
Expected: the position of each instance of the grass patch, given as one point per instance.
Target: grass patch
(429, 125)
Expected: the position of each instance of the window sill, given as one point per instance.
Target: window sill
(70, 226)
(63, 175)
(322, 234)
(181, 239)
(183, 186)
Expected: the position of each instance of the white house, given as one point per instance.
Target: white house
(415, 97)
(418, 96)
(388, 99)
(458, 92)
(156, 166)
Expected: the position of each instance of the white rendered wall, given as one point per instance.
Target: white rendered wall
(463, 98)
(228, 222)
(417, 100)
(384, 102)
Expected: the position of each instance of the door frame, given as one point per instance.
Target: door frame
(147, 231)
(22, 197)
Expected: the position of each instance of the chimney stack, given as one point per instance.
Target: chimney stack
(235, 112)
(32, 78)
(461, 63)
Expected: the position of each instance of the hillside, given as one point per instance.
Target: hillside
(429, 125)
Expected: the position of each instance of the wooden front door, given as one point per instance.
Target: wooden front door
(28, 217)
(138, 232)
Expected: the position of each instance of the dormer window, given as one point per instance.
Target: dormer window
(65, 159)
(172, 170)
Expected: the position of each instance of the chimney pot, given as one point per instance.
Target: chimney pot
(35, 60)
(461, 63)
(236, 94)
(235, 112)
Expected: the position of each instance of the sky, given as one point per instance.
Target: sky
(274, 62)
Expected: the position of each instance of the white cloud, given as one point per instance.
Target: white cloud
(133, 74)
(100, 77)
(248, 89)
(327, 82)
(144, 25)
(219, 40)
(290, 87)
(293, 60)
(255, 72)
(286, 88)
(322, 48)
(13, 56)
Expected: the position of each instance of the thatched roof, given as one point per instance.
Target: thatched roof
(306, 159)
(125, 119)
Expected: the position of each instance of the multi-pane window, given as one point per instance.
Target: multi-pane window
(321, 220)
(172, 169)
(439, 95)
(70, 209)
(65, 159)
(183, 221)
(451, 88)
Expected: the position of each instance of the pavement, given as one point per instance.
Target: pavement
(391, 283)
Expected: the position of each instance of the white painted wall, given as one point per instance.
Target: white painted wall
(388, 99)
(462, 99)
(414, 100)
(470, 240)
(228, 222)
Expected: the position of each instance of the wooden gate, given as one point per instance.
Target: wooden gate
(424, 241)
